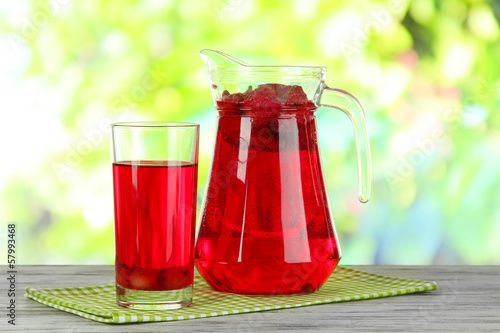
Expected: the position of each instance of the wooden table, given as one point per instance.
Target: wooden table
(468, 300)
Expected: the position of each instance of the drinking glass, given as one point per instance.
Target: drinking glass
(155, 171)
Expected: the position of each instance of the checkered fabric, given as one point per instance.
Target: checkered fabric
(345, 284)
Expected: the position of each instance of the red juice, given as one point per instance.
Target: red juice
(266, 226)
(155, 217)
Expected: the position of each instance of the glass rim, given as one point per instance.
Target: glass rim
(154, 124)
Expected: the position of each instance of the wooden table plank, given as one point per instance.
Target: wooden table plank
(468, 300)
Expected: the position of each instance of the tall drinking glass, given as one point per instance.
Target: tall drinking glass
(155, 171)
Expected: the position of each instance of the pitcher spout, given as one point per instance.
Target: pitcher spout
(220, 61)
(227, 73)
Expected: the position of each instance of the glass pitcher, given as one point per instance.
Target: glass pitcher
(266, 226)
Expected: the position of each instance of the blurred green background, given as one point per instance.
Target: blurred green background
(426, 72)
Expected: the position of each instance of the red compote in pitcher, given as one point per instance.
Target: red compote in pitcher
(266, 226)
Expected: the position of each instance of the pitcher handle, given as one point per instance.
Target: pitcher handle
(343, 101)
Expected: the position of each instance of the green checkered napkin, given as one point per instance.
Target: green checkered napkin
(345, 284)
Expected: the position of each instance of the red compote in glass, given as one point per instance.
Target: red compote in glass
(266, 225)
(154, 225)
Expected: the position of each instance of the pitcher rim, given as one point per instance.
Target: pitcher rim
(307, 70)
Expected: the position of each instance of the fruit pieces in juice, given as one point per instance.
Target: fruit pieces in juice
(269, 97)
(264, 105)
(172, 278)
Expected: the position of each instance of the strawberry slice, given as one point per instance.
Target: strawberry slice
(262, 99)
(176, 277)
(281, 90)
(143, 279)
(122, 278)
(296, 96)
(232, 98)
